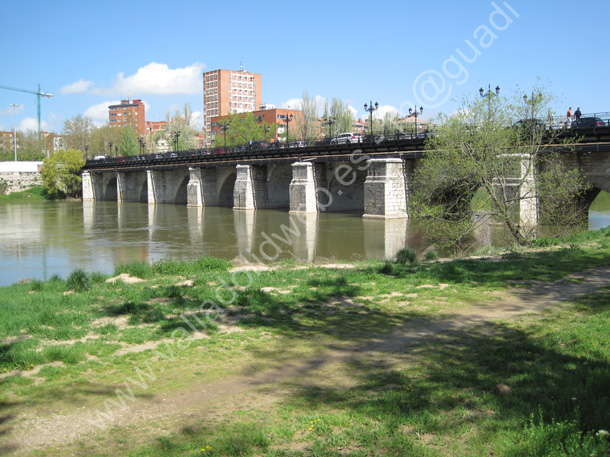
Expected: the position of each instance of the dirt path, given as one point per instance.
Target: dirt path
(201, 401)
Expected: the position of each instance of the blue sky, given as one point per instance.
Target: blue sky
(400, 54)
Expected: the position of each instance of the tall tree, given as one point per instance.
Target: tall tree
(308, 124)
(241, 128)
(102, 138)
(78, 130)
(61, 173)
(129, 143)
(479, 152)
(340, 111)
(179, 126)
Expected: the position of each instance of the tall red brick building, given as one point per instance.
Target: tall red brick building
(228, 91)
(128, 113)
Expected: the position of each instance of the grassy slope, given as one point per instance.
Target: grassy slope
(433, 398)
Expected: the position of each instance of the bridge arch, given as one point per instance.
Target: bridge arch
(226, 184)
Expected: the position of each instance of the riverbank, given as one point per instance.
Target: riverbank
(501, 356)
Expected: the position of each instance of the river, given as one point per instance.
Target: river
(42, 239)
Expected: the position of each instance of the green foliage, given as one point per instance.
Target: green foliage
(77, 131)
(406, 255)
(60, 172)
(180, 126)
(34, 193)
(476, 153)
(129, 143)
(78, 281)
(240, 129)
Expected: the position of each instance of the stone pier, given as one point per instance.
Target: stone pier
(385, 190)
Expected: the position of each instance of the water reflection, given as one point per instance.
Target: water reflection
(40, 239)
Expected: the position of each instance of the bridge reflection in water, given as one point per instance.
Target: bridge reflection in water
(152, 232)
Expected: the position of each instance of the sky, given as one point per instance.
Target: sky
(400, 54)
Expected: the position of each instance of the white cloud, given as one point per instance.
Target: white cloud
(12, 112)
(354, 111)
(31, 123)
(78, 87)
(99, 113)
(293, 103)
(383, 110)
(197, 120)
(157, 78)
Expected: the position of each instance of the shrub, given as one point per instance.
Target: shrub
(431, 255)
(78, 281)
(204, 264)
(406, 255)
(138, 269)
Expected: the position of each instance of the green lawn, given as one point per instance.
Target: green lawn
(306, 361)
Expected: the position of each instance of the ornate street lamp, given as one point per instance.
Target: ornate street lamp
(110, 144)
(142, 143)
(86, 152)
(176, 135)
(370, 110)
(288, 119)
(116, 151)
(330, 121)
(488, 95)
(416, 113)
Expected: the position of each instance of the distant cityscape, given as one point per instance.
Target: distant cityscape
(225, 93)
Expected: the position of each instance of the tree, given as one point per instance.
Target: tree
(241, 128)
(78, 130)
(308, 125)
(180, 126)
(61, 173)
(100, 139)
(342, 114)
(129, 143)
(477, 152)
(30, 146)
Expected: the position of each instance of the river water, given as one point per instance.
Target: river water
(42, 239)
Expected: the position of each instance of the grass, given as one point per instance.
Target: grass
(430, 397)
(34, 193)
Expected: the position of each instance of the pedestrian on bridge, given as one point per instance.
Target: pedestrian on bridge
(569, 116)
(577, 115)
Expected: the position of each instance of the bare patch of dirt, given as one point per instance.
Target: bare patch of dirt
(126, 278)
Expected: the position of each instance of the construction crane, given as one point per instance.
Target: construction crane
(38, 95)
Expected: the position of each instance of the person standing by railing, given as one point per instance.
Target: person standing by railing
(577, 115)
(569, 117)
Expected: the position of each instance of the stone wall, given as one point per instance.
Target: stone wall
(19, 176)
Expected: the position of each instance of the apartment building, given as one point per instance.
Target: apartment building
(228, 91)
(128, 113)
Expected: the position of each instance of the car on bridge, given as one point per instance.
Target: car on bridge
(347, 138)
(530, 124)
(588, 122)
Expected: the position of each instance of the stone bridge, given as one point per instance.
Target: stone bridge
(375, 180)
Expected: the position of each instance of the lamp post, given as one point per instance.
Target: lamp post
(370, 110)
(176, 135)
(330, 121)
(141, 141)
(116, 151)
(14, 106)
(87, 152)
(416, 113)
(266, 130)
(110, 144)
(224, 128)
(287, 120)
(488, 95)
